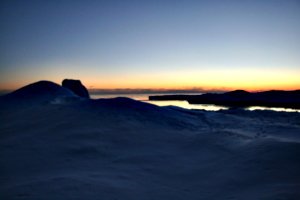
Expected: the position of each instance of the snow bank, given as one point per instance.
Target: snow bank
(42, 92)
(125, 149)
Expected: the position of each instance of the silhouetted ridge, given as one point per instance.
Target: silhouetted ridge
(238, 93)
(40, 88)
(42, 91)
(273, 98)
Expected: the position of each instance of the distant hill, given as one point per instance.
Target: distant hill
(241, 98)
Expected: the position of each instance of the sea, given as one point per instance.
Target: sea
(183, 104)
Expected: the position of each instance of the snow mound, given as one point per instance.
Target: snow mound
(40, 92)
(126, 149)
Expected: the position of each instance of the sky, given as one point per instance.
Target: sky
(157, 44)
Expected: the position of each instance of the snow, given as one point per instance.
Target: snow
(56, 148)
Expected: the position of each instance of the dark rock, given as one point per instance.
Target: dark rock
(76, 87)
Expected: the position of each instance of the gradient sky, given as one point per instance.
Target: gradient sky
(241, 44)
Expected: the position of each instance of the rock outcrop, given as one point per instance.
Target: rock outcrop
(76, 87)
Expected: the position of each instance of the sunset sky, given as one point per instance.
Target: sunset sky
(137, 44)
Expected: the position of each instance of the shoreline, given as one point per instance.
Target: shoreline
(240, 98)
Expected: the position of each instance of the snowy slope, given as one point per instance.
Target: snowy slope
(125, 149)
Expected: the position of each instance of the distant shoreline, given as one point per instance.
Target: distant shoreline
(241, 98)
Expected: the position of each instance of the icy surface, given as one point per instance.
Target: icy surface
(56, 148)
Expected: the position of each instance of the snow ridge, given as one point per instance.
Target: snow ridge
(125, 149)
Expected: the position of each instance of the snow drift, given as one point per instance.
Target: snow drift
(120, 148)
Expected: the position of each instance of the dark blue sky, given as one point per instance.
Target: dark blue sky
(152, 44)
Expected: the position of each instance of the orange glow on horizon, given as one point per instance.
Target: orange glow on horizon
(221, 80)
(201, 80)
(169, 87)
(165, 87)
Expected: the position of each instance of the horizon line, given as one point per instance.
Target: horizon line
(99, 91)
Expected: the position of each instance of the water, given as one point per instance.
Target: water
(183, 104)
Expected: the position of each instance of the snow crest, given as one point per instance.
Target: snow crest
(126, 149)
